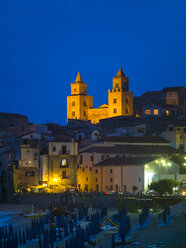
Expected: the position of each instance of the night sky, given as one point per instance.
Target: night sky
(43, 44)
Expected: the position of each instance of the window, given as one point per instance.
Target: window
(96, 179)
(111, 187)
(147, 111)
(83, 168)
(111, 179)
(181, 137)
(73, 103)
(126, 100)
(115, 110)
(84, 103)
(35, 154)
(87, 179)
(91, 158)
(81, 159)
(115, 100)
(28, 151)
(35, 158)
(107, 156)
(139, 179)
(74, 90)
(110, 171)
(84, 113)
(29, 173)
(64, 150)
(117, 85)
(64, 174)
(54, 148)
(86, 166)
(126, 110)
(90, 169)
(102, 157)
(167, 112)
(96, 170)
(73, 113)
(63, 162)
(156, 111)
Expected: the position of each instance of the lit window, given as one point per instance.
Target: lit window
(115, 110)
(115, 100)
(73, 103)
(63, 162)
(73, 113)
(167, 112)
(147, 111)
(156, 111)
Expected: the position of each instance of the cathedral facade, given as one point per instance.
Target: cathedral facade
(120, 100)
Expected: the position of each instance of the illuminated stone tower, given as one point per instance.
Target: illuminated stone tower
(120, 100)
(78, 103)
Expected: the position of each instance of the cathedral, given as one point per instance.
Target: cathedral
(120, 100)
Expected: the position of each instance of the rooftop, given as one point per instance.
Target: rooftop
(125, 161)
(133, 149)
(144, 139)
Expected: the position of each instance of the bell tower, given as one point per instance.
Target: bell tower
(78, 102)
(120, 100)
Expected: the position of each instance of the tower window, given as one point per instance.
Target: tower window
(115, 100)
(126, 110)
(73, 103)
(117, 85)
(115, 110)
(155, 111)
(126, 100)
(74, 90)
(110, 171)
(84, 113)
(147, 111)
(84, 103)
(73, 113)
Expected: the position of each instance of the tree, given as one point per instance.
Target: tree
(164, 186)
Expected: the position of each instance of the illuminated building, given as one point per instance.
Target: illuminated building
(120, 100)
(117, 163)
(62, 164)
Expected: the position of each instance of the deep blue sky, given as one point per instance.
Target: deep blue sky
(43, 44)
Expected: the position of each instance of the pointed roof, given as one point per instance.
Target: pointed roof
(120, 73)
(78, 78)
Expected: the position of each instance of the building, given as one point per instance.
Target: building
(134, 174)
(117, 163)
(27, 173)
(170, 101)
(15, 124)
(62, 164)
(120, 100)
